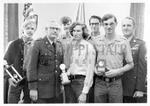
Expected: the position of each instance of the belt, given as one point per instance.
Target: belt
(106, 79)
(76, 77)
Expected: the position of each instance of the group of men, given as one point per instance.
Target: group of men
(102, 68)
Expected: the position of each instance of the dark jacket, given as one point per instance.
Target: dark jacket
(43, 70)
(14, 56)
(134, 79)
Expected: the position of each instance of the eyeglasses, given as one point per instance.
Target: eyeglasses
(92, 24)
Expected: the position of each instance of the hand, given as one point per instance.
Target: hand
(138, 94)
(112, 72)
(33, 95)
(98, 71)
(12, 82)
(82, 98)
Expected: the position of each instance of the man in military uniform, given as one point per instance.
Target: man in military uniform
(43, 69)
(134, 89)
(111, 50)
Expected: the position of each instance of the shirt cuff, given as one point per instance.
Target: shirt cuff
(85, 90)
(33, 85)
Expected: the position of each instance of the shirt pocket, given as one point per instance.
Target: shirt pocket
(45, 58)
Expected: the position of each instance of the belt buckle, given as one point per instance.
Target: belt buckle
(107, 79)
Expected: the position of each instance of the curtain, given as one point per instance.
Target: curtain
(10, 22)
(137, 12)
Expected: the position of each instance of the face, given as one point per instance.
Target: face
(109, 26)
(29, 30)
(95, 25)
(77, 32)
(128, 27)
(53, 32)
(66, 26)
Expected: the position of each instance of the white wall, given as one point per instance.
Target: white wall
(54, 11)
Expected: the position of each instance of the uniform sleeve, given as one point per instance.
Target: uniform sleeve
(90, 72)
(32, 66)
(127, 52)
(142, 68)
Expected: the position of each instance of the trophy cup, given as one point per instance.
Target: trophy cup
(14, 74)
(64, 75)
(102, 65)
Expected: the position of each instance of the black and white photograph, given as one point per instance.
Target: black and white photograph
(75, 52)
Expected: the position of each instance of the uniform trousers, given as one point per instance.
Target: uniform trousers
(130, 99)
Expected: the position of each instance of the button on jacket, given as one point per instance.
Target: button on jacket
(43, 70)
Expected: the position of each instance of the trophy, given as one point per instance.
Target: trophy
(102, 65)
(64, 75)
(14, 74)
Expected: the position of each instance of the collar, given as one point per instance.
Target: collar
(129, 39)
(50, 41)
(26, 39)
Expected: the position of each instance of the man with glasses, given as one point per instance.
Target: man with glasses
(111, 51)
(95, 23)
(43, 71)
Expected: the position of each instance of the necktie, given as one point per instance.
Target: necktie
(54, 46)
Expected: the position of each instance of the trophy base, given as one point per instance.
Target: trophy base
(21, 82)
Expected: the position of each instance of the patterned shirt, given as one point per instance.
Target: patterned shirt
(83, 62)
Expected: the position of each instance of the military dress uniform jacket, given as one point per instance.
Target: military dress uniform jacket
(43, 70)
(134, 79)
(14, 56)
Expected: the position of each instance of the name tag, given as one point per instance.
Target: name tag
(135, 47)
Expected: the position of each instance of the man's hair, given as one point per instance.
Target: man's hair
(132, 19)
(95, 17)
(84, 29)
(65, 19)
(108, 16)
